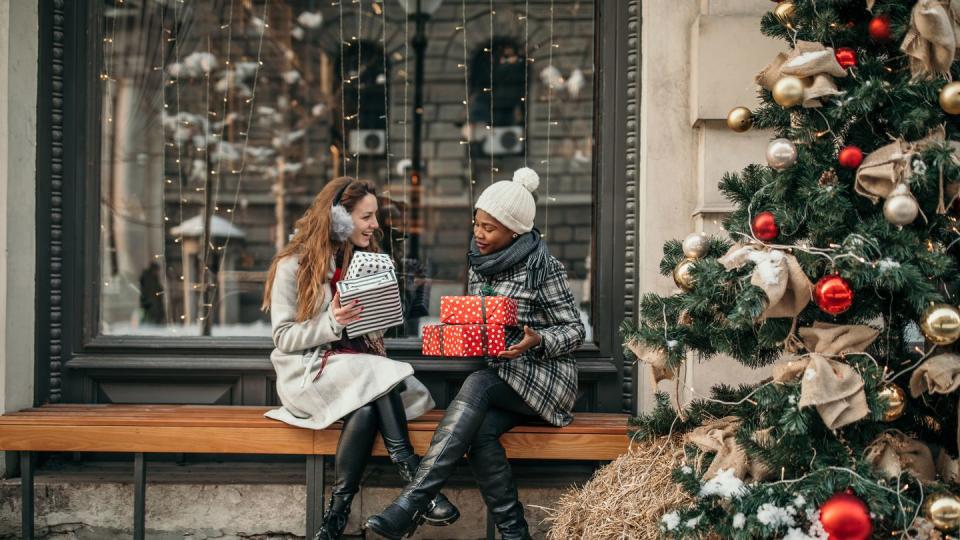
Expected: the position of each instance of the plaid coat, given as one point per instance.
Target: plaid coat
(545, 376)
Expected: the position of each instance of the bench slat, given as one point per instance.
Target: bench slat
(244, 430)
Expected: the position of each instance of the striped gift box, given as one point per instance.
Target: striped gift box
(380, 297)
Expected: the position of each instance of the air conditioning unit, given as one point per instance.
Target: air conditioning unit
(504, 141)
(368, 142)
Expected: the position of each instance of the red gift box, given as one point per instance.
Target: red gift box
(470, 310)
(464, 340)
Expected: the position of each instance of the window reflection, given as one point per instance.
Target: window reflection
(221, 119)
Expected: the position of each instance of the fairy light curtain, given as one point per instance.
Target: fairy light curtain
(221, 120)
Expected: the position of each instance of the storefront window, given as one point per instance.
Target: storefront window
(222, 119)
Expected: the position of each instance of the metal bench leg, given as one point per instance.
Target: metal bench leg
(26, 495)
(491, 530)
(139, 495)
(315, 488)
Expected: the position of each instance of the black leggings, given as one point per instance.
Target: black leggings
(384, 414)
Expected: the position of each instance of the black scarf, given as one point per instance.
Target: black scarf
(529, 248)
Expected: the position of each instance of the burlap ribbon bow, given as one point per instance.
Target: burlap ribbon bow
(777, 273)
(893, 453)
(889, 165)
(938, 375)
(814, 64)
(653, 357)
(720, 436)
(833, 387)
(933, 37)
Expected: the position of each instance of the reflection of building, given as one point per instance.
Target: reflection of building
(306, 100)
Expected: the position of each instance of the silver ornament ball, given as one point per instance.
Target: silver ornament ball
(781, 154)
(696, 245)
(901, 208)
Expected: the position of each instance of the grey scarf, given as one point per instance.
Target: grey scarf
(528, 247)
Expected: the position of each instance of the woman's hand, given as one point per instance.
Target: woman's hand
(530, 340)
(344, 315)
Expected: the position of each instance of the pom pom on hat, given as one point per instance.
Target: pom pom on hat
(527, 178)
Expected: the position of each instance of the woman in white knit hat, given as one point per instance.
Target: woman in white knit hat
(535, 377)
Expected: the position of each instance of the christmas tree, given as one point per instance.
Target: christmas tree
(839, 277)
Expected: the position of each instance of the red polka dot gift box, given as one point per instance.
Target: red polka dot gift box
(478, 310)
(465, 340)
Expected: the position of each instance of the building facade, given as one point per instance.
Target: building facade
(154, 155)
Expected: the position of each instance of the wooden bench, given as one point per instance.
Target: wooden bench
(141, 429)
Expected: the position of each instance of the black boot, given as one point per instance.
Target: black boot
(393, 427)
(450, 442)
(440, 512)
(335, 518)
(488, 460)
(356, 443)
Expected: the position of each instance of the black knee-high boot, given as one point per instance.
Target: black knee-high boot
(450, 441)
(356, 443)
(393, 427)
(494, 477)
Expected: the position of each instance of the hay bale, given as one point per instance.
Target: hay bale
(625, 499)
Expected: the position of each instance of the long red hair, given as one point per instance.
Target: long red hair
(315, 246)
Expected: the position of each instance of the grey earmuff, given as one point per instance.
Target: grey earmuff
(341, 223)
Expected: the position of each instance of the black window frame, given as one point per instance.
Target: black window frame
(72, 360)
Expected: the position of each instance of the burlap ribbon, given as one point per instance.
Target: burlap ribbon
(653, 357)
(779, 275)
(814, 64)
(833, 387)
(719, 436)
(932, 38)
(948, 468)
(938, 375)
(893, 453)
(889, 165)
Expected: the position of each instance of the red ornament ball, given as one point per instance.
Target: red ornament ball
(765, 227)
(879, 28)
(850, 157)
(845, 517)
(846, 57)
(833, 294)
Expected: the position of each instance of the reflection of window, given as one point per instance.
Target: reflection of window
(362, 78)
(507, 91)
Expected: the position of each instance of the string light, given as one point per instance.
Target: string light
(526, 79)
(176, 50)
(546, 218)
(359, 40)
(343, 99)
(466, 104)
(491, 124)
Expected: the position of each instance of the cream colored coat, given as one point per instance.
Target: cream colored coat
(348, 381)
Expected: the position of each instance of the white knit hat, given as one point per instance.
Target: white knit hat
(511, 203)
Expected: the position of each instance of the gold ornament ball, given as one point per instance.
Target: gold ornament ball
(788, 92)
(785, 12)
(682, 276)
(943, 510)
(740, 119)
(896, 401)
(950, 98)
(940, 324)
(695, 245)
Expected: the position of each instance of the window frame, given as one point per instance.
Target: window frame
(70, 353)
